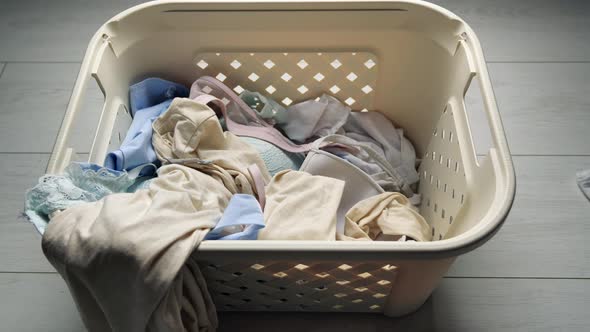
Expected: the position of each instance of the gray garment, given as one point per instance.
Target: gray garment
(583, 178)
(327, 116)
(375, 131)
(315, 118)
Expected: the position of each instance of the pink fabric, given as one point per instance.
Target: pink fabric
(256, 126)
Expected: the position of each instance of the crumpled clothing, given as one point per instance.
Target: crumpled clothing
(148, 99)
(125, 257)
(301, 206)
(583, 179)
(376, 131)
(387, 216)
(381, 171)
(190, 133)
(357, 184)
(153, 91)
(241, 220)
(268, 109)
(239, 118)
(312, 119)
(81, 182)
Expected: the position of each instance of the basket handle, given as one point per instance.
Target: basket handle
(62, 154)
(479, 70)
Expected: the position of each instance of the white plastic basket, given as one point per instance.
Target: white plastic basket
(410, 60)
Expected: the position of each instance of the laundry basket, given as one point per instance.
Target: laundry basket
(410, 60)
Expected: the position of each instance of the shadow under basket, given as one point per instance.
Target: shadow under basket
(410, 60)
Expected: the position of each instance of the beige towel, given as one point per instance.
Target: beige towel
(124, 257)
(191, 130)
(301, 206)
(389, 214)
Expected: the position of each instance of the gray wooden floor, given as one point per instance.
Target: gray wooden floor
(534, 275)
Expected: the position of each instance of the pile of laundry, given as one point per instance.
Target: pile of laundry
(208, 164)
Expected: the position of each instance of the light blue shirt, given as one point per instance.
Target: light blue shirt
(147, 99)
(241, 220)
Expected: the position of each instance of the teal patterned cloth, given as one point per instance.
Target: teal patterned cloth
(81, 182)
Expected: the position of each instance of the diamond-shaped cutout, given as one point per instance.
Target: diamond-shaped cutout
(361, 289)
(238, 89)
(349, 101)
(335, 89)
(286, 77)
(351, 77)
(367, 89)
(365, 275)
(301, 267)
(302, 89)
(364, 110)
(389, 267)
(236, 64)
(257, 267)
(221, 77)
(384, 282)
(370, 63)
(270, 89)
(322, 275)
(345, 267)
(302, 64)
(342, 282)
(287, 101)
(269, 64)
(318, 77)
(253, 77)
(280, 274)
(225, 101)
(202, 64)
(340, 295)
(336, 64)
(207, 89)
(379, 295)
(357, 301)
(374, 307)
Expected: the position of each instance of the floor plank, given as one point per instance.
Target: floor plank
(37, 302)
(544, 108)
(546, 232)
(36, 30)
(544, 235)
(20, 244)
(34, 98)
(41, 302)
(458, 305)
(520, 30)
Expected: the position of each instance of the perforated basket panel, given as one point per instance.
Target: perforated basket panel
(295, 77)
(300, 286)
(442, 177)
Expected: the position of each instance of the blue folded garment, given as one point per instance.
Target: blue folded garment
(241, 220)
(148, 99)
(153, 91)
